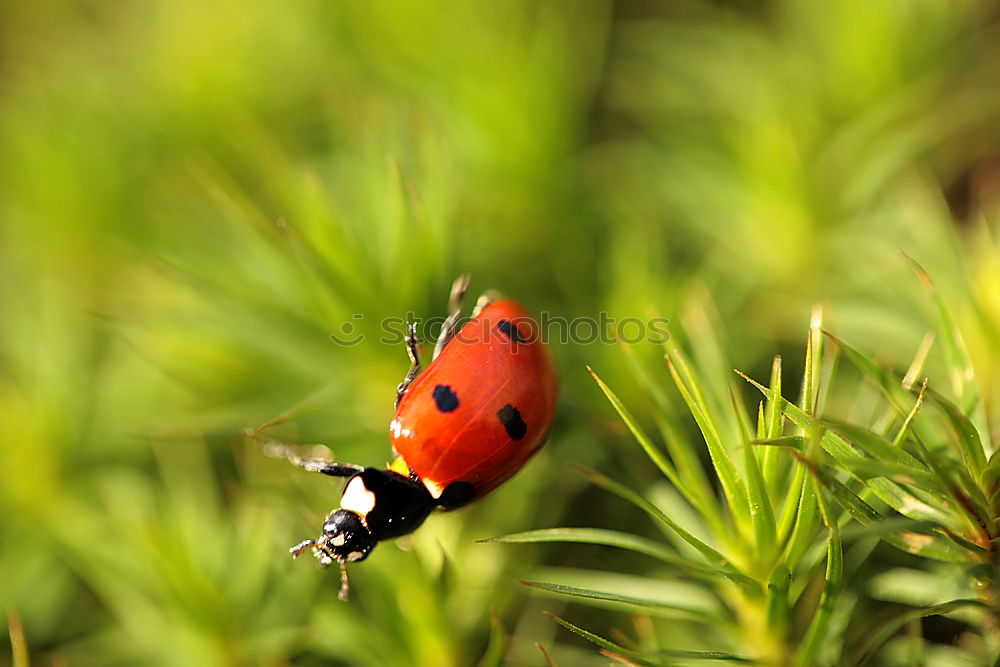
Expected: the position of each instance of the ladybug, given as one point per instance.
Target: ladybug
(462, 427)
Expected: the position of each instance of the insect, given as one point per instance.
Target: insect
(462, 427)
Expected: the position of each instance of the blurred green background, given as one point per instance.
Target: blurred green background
(194, 196)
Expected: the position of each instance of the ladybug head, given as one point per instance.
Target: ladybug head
(345, 540)
(346, 537)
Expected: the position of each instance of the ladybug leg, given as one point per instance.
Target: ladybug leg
(450, 325)
(411, 349)
(283, 450)
(485, 300)
(327, 468)
(323, 557)
(345, 588)
(301, 548)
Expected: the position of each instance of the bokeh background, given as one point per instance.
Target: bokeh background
(195, 195)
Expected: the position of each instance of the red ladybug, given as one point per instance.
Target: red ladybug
(465, 425)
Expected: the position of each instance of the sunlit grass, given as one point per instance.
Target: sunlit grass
(195, 196)
(761, 545)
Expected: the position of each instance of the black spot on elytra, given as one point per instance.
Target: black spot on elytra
(510, 330)
(445, 398)
(511, 420)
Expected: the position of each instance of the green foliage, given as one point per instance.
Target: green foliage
(196, 196)
(742, 560)
(916, 481)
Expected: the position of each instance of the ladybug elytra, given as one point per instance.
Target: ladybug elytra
(462, 427)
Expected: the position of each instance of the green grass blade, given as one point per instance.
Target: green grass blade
(794, 442)
(742, 416)
(924, 544)
(790, 512)
(969, 494)
(888, 384)
(911, 415)
(814, 355)
(896, 464)
(761, 511)
(496, 647)
(619, 540)
(875, 445)
(711, 555)
(806, 524)
(969, 439)
(600, 536)
(903, 475)
(856, 506)
(884, 526)
(883, 633)
(652, 451)
(691, 470)
(661, 658)
(773, 425)
(777, 609)
(833, 582)
(701, 325)
(916, 369)
(652, 388)
(828, 370)
(18, 644)
(699, 494)
(549, 662)
(971, 445)
(910, 378)
(963, 376)
(684, 456)
(606, 644)
(640, 604)
(991, 474)
(898, 498)
(836, 446)
(910, 505)
(733, 488)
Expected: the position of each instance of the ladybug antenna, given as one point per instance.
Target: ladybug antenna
(450, 326)
(344, 586)
(485, 300)
(458, 289)
(313, 401)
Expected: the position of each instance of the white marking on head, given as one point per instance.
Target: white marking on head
(357, 498)
(338, 540)
(354, 555)
(434, 488)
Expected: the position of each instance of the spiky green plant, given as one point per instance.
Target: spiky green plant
(195, 195)
(760, 540)
(746, 534)
(918, 466)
